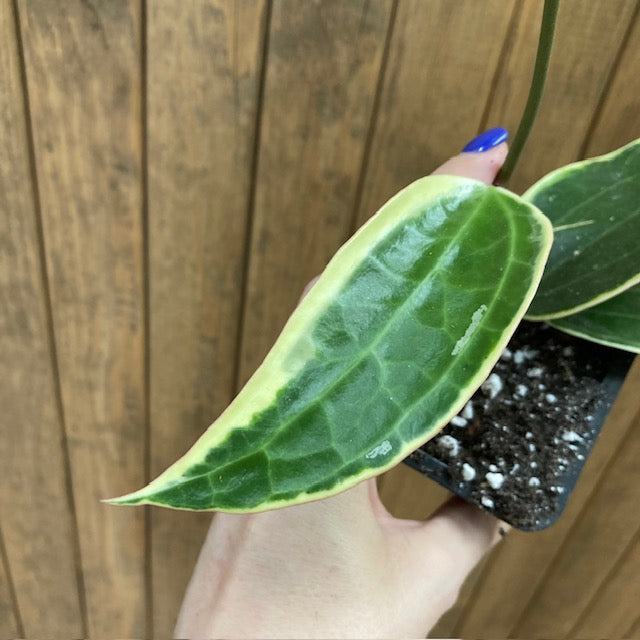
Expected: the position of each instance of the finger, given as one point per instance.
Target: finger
(462, 534)
(483, 166)
(308, 288)
(436, 556)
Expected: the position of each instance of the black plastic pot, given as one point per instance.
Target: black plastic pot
(567, 427)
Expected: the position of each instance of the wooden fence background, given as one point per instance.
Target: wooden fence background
(171, 174)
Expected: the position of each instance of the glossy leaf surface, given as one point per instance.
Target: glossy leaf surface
(403, 325)
(594, 207)
(615, 322)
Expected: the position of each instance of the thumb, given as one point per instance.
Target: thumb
(483, 166)
(457, 536)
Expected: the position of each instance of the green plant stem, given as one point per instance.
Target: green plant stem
(547, 30)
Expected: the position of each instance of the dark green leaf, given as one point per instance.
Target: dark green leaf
(404, 324)
(615, 322)
(594, 207)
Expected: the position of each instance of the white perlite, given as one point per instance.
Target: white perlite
(492, 385)
(468, 472)
(506, 354)
(572, 436)
(534, 482)
(450, 444)
(521, 390)
(550, 398)
(467, 412)
(534, 372)
(495, 480)
(458, 421)
(487, 502)
(524, 354)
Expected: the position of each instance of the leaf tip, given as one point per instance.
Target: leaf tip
(128, 499)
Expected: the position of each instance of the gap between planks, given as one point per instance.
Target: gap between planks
(251, 202)
(146, 316)
(507, 47)
(606, 89)
(375, 107)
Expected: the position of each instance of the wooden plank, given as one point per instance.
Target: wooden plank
(618, 121)
(596, 542)
(587, 40)
(525, 558)
(203, 75)
(614, 608)
(10, 623)
(442, 59)
(323, 64)
(37, 522)
(83, 72)
(408, 494)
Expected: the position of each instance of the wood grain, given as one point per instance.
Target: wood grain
(586, 45)
(618, 120)
(202, 87)
(322, 68)
(442, 59)
(360, 97)
(83, 72)
(522, 563)
(614, 607)
(37, 522)
(596, 542)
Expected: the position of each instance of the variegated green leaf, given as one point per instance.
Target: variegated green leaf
(403, 325)
(594, 207)
(615, 322)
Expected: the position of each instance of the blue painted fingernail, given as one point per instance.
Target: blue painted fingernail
(487, 140)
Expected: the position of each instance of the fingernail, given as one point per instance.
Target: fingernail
(487, 140)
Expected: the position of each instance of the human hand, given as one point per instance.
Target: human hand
(340, 567)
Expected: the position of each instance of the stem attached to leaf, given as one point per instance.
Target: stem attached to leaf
(547, 29)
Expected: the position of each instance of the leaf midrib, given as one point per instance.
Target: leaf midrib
(452, 361)
(557, 265)
(363, 354)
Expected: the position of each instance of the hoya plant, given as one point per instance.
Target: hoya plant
(408, 319)
(406, 322)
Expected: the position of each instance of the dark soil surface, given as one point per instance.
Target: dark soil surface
(519, 444)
